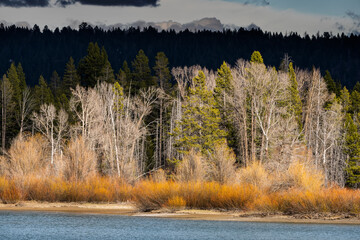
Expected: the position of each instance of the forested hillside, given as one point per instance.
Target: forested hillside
(128, 124)
(43, 51)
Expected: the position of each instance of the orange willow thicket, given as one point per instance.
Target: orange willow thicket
(151, 195)
(93, 189)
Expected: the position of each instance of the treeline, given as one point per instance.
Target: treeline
(41, 51)
(132, 123)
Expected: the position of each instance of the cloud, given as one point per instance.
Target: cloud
(24, 3)
(230, 13)
(257, 2)
(355, 17)
(135, 3)
(340, 27)
(355, 29)
(63, 3)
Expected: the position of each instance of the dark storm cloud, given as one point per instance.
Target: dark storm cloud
(257, 2)
(136, 3)
(24, 3)
(63, 3)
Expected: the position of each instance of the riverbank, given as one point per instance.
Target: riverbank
(128, 209)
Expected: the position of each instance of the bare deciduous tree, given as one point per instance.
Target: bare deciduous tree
(52, 126)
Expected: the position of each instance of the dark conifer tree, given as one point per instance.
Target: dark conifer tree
(95, 67)
(352, 149)
(142, 72)
(70, 79)
(22, 77)
(55, 83)
(43, 94)
(330, 83)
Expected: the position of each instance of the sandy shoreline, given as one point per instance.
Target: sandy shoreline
(128, 209)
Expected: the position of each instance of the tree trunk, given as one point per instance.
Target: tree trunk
(3, 122)
(253, 156)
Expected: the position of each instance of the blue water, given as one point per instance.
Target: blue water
(32, 225)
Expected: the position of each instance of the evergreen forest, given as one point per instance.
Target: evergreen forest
(42, 51)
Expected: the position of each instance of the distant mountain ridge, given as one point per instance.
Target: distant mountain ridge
(208, 23)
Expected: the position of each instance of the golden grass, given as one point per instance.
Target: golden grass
(9, 192)
(176, 203)
(150, 195)
(93, 189)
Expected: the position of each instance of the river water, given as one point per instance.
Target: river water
(40, 225)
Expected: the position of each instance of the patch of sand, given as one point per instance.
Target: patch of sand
(106, 208)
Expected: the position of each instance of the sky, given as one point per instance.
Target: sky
(305, 16)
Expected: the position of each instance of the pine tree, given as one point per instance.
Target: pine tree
(15, 82)
(55, 82)
(42, 94)
(356, 87)
(6, 108)
(162, 71)
(256, 57)
(14, 112)
(352, 149)
(355, 102)
(199, 127)
(107, 73)
(22, 77)
(119, 98)
(345, 100)
(295, 101)
(127, 71)
(124, 76)
(71, 78)
(222, 92)
(142, 72)
(95, 66)
(63, 103)
(223, 84)
(330, 83)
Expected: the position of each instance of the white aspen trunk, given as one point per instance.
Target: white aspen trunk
(317, 127)
(143, 159)
(115, 141)
(156, 155)
(161, 133)
(52, 142)
(3, 110)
